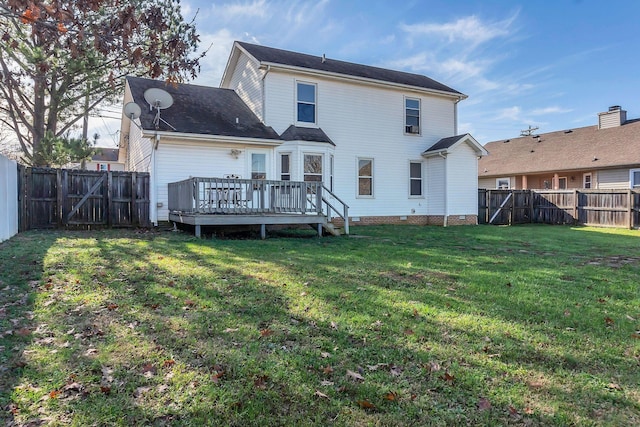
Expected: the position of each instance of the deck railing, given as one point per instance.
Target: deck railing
(244, 196)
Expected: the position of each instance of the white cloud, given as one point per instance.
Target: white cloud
(255, 9)
(550, 110)
(511, 113)
(469, 30)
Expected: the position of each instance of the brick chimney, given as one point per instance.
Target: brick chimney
(616, 116)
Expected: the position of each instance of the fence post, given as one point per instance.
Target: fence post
(576, 217)
(135, 220)
(60, 198)
(531, 210)
(108, 209)
(630, 208)
(513, 207)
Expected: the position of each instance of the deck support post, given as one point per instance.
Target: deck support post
(263, 231)
(319, 229)
(198, 231)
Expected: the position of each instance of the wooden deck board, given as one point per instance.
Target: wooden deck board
(239, 219)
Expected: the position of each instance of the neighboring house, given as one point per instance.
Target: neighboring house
(105, 159)
(606, 156)
(383, 141)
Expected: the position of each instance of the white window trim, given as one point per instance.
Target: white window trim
(404, 115)
(414, 196)
(295, 109)
(508, 179)
(322, 165)
(584, 180)
(358, 176)
(631, 172)
(279, 171)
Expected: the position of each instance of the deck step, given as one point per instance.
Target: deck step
(332, 229)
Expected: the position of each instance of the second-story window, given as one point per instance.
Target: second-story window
(306, 102)
(412, 115)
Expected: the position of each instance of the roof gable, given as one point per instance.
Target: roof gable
(269, 55)
(449, 144)
(200, 110)
(583, 148)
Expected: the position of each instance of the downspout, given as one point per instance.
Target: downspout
(154, 190)
(264, 95)
(446, 191)
(455, 115)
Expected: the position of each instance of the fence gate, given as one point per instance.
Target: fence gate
(56, 198)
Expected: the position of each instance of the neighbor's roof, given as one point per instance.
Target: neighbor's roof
(571, 149)
(269, 55)
(200, 110)
(297, 133)
(105, 155)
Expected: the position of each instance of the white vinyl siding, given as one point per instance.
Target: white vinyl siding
(364, 120)
(247, 82)
(462, 181)
(436, 185)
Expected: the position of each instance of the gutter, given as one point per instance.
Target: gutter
(222, 138)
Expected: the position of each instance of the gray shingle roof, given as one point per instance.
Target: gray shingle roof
(296, 133)
(444, 143)
(573, 149)
(295, 59)
(201, 110)
(105, 155)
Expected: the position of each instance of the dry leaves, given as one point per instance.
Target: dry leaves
(484, 404)
(320, 394)
(365, 404)
(354, 375)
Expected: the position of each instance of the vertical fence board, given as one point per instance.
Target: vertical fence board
(605, 208)
(52, 198)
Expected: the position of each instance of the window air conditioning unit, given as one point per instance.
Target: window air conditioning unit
(413, 129)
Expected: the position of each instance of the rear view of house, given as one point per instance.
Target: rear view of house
(383, 142)
(606, 156)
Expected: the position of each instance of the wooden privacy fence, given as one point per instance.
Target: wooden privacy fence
(56, 198)
(604, 208)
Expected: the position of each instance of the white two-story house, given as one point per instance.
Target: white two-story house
(385, 142)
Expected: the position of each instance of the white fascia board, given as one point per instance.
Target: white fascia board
(364, 80)
(220, 138)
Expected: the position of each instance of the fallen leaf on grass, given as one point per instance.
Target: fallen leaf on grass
(391, 396)
(140, 391)
(484, 404)
(23, 332)
(266, 332)
(513, 411)
(229, 330)
(217, 376)
(324, 354)
(169, 363)
(327, 370)
(326, 383)
(148, 370)
(365, 404)
(261, 382)
(636, 335)
(614, 386)
(432, 367)
(528, 411)
(54, 394)
(408, 331)
(112, 306)
(609, 321)
(105, 389)
(334, 325)
(395, 371)
(320, 394)
(448, 377)
(354, 375)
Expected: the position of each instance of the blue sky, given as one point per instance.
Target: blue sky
(550, 64)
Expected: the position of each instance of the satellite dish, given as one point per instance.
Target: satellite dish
(158, 98)
(132, 110)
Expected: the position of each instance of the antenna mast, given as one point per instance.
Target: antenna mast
(528, 132)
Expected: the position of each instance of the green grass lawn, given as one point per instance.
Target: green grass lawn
(393, 326)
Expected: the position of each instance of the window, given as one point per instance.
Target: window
(285, 167)
(412, 116)
(503, 183)
(313, 167)
(258, 166)
(635, 178)
(586, 180)
(103, 167)
(415, 179)
(365, 177)
(306, 101)
(562, 183)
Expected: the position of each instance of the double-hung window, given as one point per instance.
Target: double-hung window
(285, 167)
(412, 115)
(365, 177)
(415, 179)
(306, 102)
(586, 180)
(313, 167)
(258, 166)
